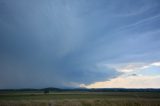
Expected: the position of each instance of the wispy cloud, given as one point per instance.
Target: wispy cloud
(132, 67)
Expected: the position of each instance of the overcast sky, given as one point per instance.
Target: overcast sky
(79, 43)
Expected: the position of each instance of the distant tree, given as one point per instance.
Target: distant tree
(46, 91)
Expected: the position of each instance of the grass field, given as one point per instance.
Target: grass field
(80, 99)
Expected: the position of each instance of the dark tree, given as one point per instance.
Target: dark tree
(46, 91)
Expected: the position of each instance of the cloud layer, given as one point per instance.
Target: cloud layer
(135, 75)
(66, 43)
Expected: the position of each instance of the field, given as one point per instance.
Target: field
(80, 99)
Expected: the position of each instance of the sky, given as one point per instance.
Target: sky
(79, 43)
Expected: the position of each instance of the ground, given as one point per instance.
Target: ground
(80, 99)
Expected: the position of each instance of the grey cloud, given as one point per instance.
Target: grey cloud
(59, 43)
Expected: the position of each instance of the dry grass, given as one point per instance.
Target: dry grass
(84, 102)
(82, 99)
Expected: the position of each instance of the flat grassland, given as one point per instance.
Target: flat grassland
(80, 99)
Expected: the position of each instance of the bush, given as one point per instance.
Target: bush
(46, 91)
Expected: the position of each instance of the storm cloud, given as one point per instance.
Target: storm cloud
(65, 43)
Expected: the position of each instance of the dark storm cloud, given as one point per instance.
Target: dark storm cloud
(63, 43)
